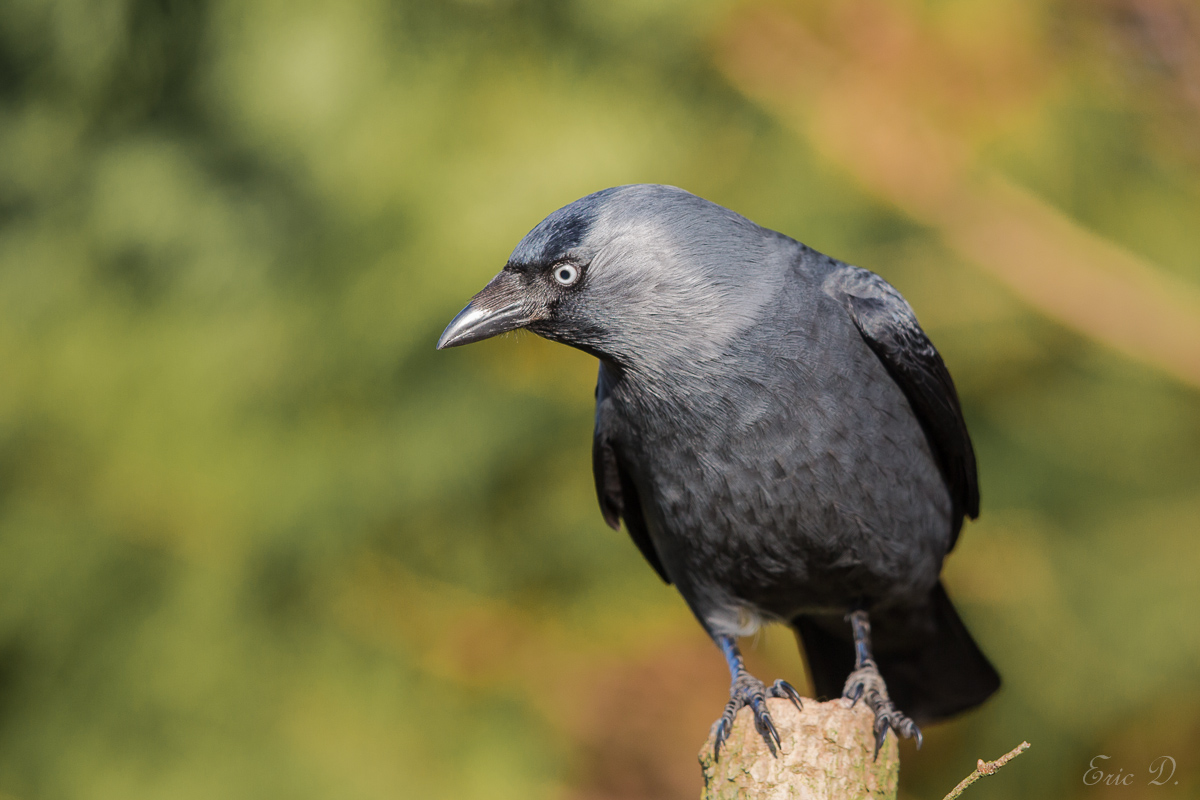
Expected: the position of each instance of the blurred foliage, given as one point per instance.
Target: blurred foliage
(257, 539)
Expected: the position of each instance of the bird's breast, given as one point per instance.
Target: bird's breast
(790, 493)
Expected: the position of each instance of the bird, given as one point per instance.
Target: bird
(780, 438)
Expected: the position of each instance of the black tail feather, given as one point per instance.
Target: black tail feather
(829, 657)
(932, 666)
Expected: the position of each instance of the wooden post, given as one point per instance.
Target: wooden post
(827, 752)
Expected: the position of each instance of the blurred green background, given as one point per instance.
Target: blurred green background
(258, 539)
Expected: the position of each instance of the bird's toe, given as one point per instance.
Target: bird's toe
(786, 691)
(867, 684)
(724, 725)
(750, 691)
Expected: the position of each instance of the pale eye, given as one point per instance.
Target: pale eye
(566, 274)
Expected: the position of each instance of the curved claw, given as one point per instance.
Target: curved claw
(785, 690)
(920, 738)
(881, 729)
(722, 735)
(856, 695)
(765, 721)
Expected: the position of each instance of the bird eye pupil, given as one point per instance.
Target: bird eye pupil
(566, 274)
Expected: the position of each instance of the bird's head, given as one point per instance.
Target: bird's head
(636, 274)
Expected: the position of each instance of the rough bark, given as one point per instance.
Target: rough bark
(827, 752)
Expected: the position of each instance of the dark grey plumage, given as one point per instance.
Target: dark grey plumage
(779, 436)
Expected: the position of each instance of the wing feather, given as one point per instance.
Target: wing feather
(617, 494)
(889, 327)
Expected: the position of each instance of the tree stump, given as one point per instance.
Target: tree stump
(827, 752)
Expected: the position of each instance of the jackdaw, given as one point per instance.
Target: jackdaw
(778, 434)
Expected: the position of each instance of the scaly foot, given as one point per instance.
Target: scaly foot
(747, 690)
(867, 684)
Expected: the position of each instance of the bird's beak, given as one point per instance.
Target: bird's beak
(500, 307)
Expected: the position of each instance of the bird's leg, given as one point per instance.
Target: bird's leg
(866, 683)
(747, 690)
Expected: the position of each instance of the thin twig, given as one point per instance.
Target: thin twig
(986, 768)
